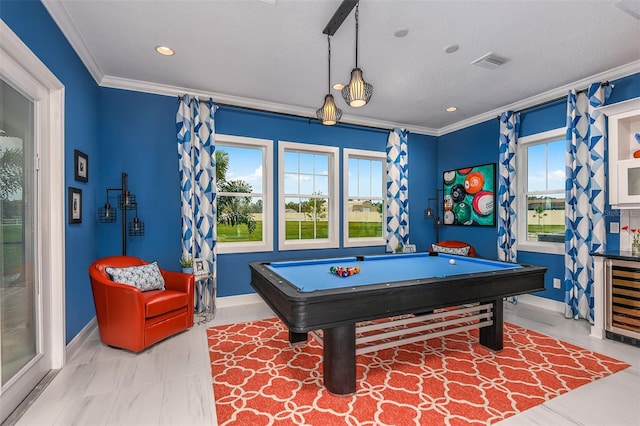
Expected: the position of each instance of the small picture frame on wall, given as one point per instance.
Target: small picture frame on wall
(81, 166)
(200, 267)
(75, 205)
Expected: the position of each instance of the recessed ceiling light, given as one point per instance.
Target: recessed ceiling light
(338, 86)
(452, 48)
(164, 50)
(451, 109)
(402, 32)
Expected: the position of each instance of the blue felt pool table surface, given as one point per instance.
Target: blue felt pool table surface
(315, 274)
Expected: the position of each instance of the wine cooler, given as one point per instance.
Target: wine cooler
(622, 303)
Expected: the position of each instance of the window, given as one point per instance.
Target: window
(244, 199)
(541, 195)
(363, 198)
(308, 188)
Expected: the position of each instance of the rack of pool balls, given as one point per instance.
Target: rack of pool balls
(344, 271)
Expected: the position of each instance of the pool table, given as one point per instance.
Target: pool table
(307, 296)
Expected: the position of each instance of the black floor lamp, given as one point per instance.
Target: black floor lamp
(435, 215)
(126, 201)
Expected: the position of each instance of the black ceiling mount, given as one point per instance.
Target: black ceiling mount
(338, 18)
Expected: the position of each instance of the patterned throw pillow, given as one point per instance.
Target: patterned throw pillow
(460, 251)
(145, 277)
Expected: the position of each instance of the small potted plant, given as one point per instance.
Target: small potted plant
(186, 263)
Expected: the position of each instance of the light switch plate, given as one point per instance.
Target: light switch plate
(614, 227)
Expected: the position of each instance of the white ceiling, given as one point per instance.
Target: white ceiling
(271, 54)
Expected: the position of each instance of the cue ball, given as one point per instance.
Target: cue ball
(452, 261)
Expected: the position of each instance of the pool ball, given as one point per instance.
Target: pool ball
(357, 269)
(462, 212)
(458, 193)
(448, 202)
(452, 261)
(464, 171)
(449, 217)
(473, 182)
(449, 177)
(483, 203)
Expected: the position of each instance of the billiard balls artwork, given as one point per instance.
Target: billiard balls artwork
(473, 182)
(448, 202)
(483, 203)
(458, 193)
(462, 212)
(449, 177)
(452, 261)
(449, 217)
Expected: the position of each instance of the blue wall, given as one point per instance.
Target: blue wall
(32, 23)
(147, 151)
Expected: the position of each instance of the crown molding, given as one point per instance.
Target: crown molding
(613, 74)
(63, 20)
(166, 90)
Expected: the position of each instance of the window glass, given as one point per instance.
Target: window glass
(242, 202)
(542, 189)
(308, 189)
(364, 206)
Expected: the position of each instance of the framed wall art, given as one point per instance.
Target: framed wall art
(81, 166)
(75, 205)
(469, 196)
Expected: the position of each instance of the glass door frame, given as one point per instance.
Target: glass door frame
(22, 69)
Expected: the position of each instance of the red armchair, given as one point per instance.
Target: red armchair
(131, 319)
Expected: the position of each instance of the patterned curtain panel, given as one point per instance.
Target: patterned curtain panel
(197, 168)
(397, 190)
(585, 196)
(506, 198)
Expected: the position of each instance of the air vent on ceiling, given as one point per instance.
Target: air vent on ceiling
(490, 61)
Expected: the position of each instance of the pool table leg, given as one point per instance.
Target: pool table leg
(297, 337)
(339, 344)
(491, 336)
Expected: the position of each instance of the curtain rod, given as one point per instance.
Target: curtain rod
(604, 84)
(290, 115)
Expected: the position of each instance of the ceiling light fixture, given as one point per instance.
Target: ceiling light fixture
(329, 114)
(358, 92)
(451, 109)
(164, 50)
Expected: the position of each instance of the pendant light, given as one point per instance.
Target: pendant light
(358, 92)
(329, 114)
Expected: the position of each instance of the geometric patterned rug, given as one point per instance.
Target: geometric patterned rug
(259, 378)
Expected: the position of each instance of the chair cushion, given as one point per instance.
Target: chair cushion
(461, 251)
(145, 277)
(161, 302)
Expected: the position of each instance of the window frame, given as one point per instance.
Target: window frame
(333, 240)
(348, 153)
(522, 190)
(266, 145)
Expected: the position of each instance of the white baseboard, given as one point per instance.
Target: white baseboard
(541, 302)
(79, 339)
(243, 299)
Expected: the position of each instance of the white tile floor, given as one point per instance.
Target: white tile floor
(170, 383)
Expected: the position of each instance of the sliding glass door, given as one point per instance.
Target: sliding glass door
(23, 361)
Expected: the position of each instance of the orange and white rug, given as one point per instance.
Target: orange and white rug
(261, 379)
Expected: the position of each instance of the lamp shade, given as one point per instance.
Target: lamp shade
(358, 92)
(329, 114)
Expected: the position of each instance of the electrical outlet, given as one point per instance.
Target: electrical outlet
(556, 283)
(614, 227)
